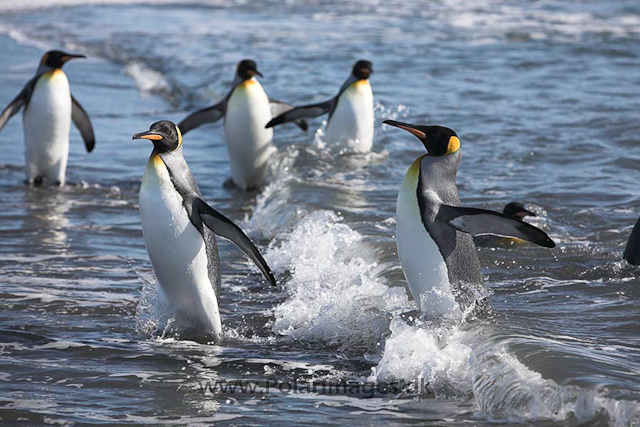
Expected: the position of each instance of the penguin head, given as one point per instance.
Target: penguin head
(57, 58)
(438, 140)
(362, 69)
(165, 135)
(517, 210)
(247, 69)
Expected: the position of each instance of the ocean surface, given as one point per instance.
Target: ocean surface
(545, 96)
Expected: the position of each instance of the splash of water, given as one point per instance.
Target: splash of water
(335, 296)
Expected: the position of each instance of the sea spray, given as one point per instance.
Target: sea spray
(335, 295)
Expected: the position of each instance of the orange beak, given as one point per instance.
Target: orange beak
(148, 135)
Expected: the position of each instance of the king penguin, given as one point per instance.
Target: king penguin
(514, 210)
(434, 233)
(246, 109)
(350, 111)
(180, 228)
(49, 109)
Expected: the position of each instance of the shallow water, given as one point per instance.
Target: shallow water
(543, 96)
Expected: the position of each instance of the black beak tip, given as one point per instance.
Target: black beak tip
(69, 57)
(394, 123)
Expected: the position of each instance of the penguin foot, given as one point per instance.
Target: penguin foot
(38, 181)
(229, 184)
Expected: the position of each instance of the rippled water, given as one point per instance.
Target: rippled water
(544, 97)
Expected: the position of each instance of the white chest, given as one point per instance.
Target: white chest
(422, 263)
(49, 110)
(248, 142)
(352, 120)
(247, 114)
(162, 213)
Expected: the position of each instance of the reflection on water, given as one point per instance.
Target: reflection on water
(45, 218)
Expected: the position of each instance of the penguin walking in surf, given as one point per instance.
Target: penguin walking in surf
(246, 109)
(180, 229)
(49, 109)
(350, 111)
(434, 233)
(514, 210)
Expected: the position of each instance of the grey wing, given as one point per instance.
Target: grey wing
(18, 102)
(632, 251)
(83, 123)
(481, 221)
(305, 111)
(279, 107)
(206, 115)
(224, 227)
(485, 240)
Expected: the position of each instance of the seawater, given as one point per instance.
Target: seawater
(543, 96)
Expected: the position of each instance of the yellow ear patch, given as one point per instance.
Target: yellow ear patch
(454, 145)
(179, 137)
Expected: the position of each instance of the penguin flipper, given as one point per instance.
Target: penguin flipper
(224, 227)
(304, 111)
(18, 102)
(200, 117)
(481, 221)
(279, 107)
(632, 251)
(83, 123)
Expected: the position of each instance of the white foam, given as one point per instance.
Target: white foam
(148, 309)
(147, 79)
(493, 21)
(21, 38)
(437, 357)
(335, 293)
(452, 362)
(12, 5)
(157, 316)
(154, 315)
(273, 211)
(507, 390)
